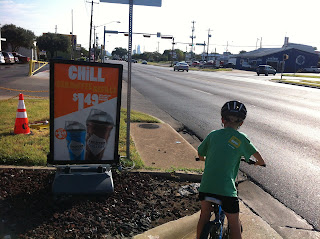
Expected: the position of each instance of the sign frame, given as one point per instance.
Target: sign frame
(54, 64)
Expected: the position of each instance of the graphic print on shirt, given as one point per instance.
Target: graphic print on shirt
(234, 142)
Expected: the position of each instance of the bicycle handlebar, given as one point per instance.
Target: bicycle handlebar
(252, 161)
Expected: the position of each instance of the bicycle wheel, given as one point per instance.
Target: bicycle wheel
(226, 232)
(210, 231)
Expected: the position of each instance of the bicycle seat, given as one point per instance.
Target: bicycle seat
(213, 200)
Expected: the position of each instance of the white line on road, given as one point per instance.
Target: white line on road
(203, 92)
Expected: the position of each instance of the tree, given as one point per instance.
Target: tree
(17, 37)
(243, 51)
(52, 43)
(119, 51)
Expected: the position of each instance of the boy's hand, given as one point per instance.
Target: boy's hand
(260, 161)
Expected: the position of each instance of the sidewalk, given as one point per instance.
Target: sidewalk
(160, 146)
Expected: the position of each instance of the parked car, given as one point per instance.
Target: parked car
(21, 58)
(181, 66)
(8, 57)
(209, 64)
(265, 69)
(144, 62)
(2, 61)
(312, 69)
(195, 63)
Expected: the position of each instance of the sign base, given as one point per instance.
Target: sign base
(84, 179)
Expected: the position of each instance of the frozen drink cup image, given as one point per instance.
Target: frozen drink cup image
(99, 125)
(76, 138)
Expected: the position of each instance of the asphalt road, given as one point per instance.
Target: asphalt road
(14, 79)
(283, 123)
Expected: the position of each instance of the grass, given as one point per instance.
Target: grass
(32, 150)
(304, 76)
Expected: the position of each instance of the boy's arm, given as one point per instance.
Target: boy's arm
(258, 157)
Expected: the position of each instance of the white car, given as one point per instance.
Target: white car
(2, 61)
(312, 69)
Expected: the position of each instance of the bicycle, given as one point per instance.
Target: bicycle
(215, 229)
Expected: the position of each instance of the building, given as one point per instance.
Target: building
(299, 57)
(138, 50)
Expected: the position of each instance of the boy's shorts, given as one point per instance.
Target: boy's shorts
(229, 204)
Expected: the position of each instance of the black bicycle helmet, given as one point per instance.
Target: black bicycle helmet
(234, 108)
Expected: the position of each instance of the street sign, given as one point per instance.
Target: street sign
(112, 32)
(153, 3)
(200, 44)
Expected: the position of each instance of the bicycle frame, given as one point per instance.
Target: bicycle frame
(211, 228)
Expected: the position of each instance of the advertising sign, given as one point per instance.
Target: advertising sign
(85, 102)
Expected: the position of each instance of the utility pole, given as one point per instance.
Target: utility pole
(192, 37)
(91, 28)
(56, 29)
(208, 44)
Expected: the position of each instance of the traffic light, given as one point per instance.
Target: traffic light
(285, 57)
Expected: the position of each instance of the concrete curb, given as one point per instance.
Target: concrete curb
(181, 228)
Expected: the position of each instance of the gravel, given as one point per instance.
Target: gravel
(141, 201)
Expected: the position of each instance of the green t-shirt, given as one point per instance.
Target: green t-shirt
(223, 150)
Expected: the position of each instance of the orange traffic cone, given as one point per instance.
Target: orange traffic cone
(21, 126)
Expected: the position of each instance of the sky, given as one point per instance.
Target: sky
(234, 25)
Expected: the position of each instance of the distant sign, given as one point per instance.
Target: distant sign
(153, 3)
(85, 112)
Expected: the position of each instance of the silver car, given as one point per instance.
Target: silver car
(2, 61)
(181, 66)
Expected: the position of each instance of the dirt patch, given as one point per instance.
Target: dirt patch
(140, 202)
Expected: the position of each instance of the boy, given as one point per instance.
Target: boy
(222, 150)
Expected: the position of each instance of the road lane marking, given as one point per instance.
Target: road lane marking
(202, 92)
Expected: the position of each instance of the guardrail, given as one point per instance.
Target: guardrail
(32, 66)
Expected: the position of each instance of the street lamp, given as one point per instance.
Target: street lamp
(104, 37)
(95, 37)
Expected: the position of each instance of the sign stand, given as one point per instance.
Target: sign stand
(83, 179)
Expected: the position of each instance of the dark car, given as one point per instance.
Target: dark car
(181, 66)
(266, 70)
(21, 58)
(8, 57)
(144, 62)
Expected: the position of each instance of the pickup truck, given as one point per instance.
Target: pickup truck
(312, 69)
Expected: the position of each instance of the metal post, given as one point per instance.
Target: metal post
(208, 44)
(129, 78)
(172, 51)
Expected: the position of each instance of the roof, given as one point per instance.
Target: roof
(269, 51)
